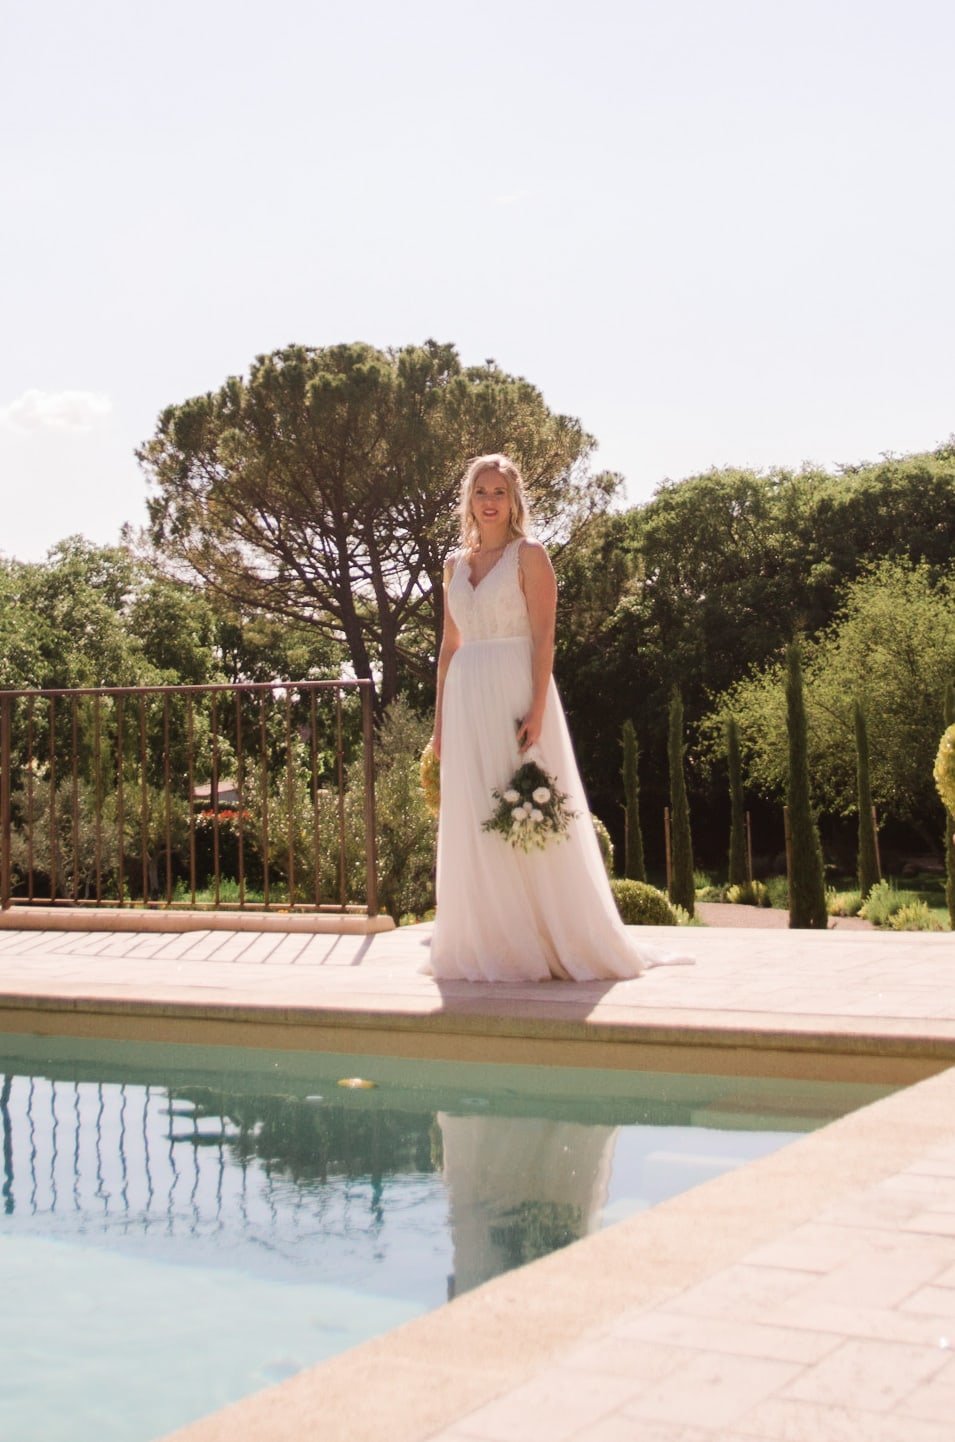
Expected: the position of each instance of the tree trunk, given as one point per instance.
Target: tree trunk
(737, 871)
(634, 865)
(868, 859)
(950, 819)
(807, 885)
(681, 886)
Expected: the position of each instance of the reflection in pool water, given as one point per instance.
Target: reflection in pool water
(183, 1225)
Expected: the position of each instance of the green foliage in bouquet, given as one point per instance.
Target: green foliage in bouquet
(530, 811)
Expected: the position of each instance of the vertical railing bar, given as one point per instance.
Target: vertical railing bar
(30, 784)
(240, 794)
(371, 841)
(190, 742)
(54, 849)
(290, 799)
(6, 867)
(120, 800)
(167, 795)
(264, 785)
(316, 823)
(98, 795)
(143, 800)
(340, 748)
(75, 795)
(214, 797)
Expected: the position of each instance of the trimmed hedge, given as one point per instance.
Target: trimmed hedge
(640, 904)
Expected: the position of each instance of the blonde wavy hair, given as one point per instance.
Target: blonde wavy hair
(509, 473)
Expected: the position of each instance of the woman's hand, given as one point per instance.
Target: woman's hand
(529, 731)
(435, 742)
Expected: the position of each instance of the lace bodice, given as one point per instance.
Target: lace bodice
(495, 608)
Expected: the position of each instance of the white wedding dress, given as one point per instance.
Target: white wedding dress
(504, 914)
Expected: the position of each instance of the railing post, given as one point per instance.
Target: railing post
(371, 839)
(5, 865)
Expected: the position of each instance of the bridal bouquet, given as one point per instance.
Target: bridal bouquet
(531, 811)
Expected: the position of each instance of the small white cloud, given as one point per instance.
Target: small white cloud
(56, 411)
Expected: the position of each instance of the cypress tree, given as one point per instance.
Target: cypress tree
(807, 886)
(950, 819)
(868, 858)
(634, 866)
(737, 873)
(681, 881)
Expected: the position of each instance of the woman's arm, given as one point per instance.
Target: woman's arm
(540, 592)
(450, 641)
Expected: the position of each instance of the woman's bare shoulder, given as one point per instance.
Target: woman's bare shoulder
(533, 554)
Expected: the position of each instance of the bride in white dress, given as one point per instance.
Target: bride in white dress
(504, 914)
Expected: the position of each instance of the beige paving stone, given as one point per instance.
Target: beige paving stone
(721, 1334)
(817, 1247)
(935, 1301)
(933, 1401)
(888, 1324)
(712, 1391)
(805, 1422)
(743, 1292)
(936, 1223)
(876, 1374)
(622, 1354)
(628, 1429)
(880, 1278)
(555, 1405)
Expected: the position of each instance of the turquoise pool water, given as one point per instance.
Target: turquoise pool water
(183, 1225)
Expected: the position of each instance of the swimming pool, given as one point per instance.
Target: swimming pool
(184, 1225)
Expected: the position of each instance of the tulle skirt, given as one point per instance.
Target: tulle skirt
(504, 914)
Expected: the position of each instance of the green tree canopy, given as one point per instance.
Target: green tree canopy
(321, 488)
(892, 647)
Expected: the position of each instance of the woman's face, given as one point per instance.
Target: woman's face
(490, 499)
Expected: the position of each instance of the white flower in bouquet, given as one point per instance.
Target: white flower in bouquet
(531, 810)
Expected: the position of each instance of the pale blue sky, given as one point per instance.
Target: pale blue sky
(718, 231)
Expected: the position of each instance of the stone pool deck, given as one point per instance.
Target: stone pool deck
(810, 1295)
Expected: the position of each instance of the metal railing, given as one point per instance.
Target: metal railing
(216, 796)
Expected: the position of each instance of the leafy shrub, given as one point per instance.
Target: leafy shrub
(884, 901)
(604, 842)
(683, 917)
(640, 904)
(914, 916)
(748, 893)
(843, 903)
(706, 886)
(777, 889)
(945, 770)
(709, 893)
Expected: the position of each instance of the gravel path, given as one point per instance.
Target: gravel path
(727, 913)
